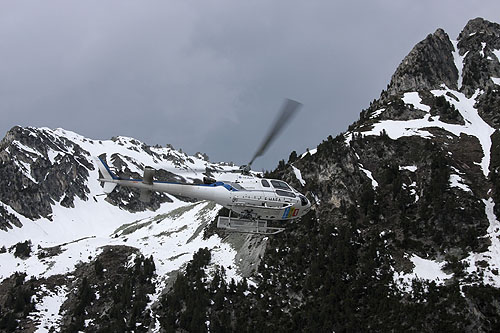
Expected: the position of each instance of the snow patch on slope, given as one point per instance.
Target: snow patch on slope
(414, 99)
(25, 148)
(474, 124)
(25, 168)
(411, 168)
(396, 129)
(48, 305)
(458, 182)
(309, 151)
(298, 175)
(492, 255)
(497, 54)
(424, 269)
(368, 173)
(348, 137)
(377, 113)
(483, 45)
(459, 62)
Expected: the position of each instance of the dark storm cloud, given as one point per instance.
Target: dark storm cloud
(208, 75)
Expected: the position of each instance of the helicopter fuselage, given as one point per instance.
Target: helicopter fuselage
(250, 196)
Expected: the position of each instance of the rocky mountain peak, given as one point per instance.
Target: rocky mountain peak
(465, 65)
(428, 65)
(480, 26)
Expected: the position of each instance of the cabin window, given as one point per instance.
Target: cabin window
(265, 183)
(278, 184)
(285, 193)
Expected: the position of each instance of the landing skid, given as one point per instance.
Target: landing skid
(247, 226)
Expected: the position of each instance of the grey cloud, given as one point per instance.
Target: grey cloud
(208, 75)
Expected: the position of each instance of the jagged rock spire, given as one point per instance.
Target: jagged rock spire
(428, 65)
(464, 65)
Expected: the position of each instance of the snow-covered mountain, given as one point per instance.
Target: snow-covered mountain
(404, 234)
(51, 199)
(409, 199)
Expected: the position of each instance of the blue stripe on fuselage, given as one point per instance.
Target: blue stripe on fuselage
(216, 184)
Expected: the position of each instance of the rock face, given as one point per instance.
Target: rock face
(43, 168)
(465, 64)
(30, 181)
(427, 66)
(404, 234)
(477, 43)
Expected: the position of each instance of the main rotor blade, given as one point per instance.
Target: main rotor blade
(287, 111)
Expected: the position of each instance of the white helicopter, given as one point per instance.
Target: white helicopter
(255, 200)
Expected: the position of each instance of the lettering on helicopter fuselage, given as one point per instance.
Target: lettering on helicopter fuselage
(290, 212)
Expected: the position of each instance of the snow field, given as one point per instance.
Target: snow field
(172, 234)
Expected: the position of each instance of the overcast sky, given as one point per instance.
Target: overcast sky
(209, 75)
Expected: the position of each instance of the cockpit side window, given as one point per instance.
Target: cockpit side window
(285, 193)
(265, 183)
(278, 184)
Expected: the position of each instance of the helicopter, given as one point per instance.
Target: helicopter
(255, 200)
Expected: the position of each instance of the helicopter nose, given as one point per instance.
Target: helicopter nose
(305, 204)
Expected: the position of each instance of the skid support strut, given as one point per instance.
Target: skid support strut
(246, 225)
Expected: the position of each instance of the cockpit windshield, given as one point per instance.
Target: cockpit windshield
(278, 184)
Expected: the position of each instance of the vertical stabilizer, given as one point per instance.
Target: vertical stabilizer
(107, 176)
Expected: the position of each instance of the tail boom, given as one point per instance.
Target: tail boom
(215, 192)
